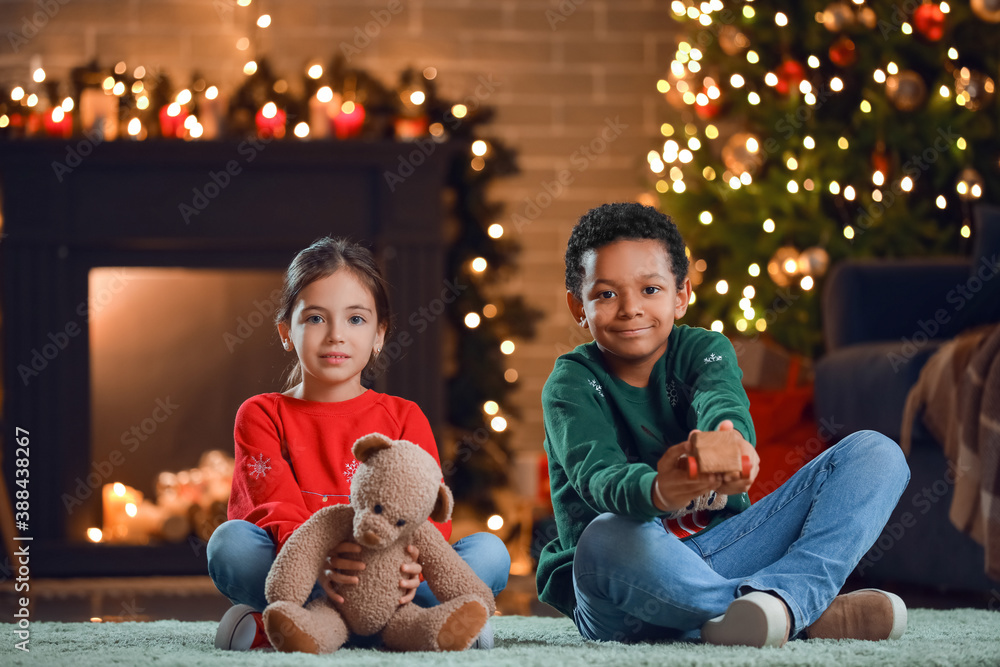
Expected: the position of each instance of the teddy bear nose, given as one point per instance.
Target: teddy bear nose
(370, 539)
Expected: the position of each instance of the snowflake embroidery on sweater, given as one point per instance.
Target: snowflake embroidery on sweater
(597, 386)
(712, 357)
(259, 467)
(349, 469)
(672, 393)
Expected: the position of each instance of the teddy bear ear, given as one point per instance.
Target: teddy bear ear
(443, 505)
(369, 444)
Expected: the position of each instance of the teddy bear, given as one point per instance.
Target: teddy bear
(395, 489)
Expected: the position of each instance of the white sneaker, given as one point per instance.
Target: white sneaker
(241, 629)
(485, 639)
(756, 619)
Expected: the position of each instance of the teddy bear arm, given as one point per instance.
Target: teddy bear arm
(444, 570)
(297, 565)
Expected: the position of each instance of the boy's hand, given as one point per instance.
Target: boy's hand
(731, 482)
(676, 490)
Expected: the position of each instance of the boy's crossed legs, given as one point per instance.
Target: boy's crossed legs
(635, 581)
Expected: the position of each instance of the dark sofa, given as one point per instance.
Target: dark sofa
(882, 320)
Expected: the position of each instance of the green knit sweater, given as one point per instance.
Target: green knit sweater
(604, 437)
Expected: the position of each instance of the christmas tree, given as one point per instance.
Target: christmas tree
(808, 132)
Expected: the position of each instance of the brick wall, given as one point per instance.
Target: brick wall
(574, 91)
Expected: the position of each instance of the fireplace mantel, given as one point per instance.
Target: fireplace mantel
(71, 206)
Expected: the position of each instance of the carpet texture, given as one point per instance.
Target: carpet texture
(955, 637)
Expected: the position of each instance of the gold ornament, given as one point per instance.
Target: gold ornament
(868, 17)
(813, 261)
(783, 266)
(973, 90)
(906, 90)
(742, 153)
(987, 10)
(837, 16)
(732, 40)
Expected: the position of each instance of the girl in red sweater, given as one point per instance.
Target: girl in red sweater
(293, 448)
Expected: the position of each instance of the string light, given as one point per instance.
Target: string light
(906, 184)
(849, 193)
(769, 226)
(315, 71)
(472, 320)
(507, 347)
(495, 230)
(848, 232)
(834, 188)
(941, 202)
(705, 218)
(39, 75)
(498, 424)
(754, 269)
(301, 130)
(479, 264)
(264, 21)
(813, 62)
(717, 326)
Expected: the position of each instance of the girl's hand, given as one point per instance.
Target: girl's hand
(411, 575)
(339, 566)
(731, 482)
(676, 490)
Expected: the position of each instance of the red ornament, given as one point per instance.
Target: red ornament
(928, 19)
(270, 122)
(707, 108)
(349, 121)
(842, 53)
(58, 123)
(790, 74)
(880, 162)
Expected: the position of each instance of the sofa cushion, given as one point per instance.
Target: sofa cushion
(865, 386)
(979, 296)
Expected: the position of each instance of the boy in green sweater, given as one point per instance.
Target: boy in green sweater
(643, 552)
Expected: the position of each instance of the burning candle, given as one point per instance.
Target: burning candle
(58, 123)
(324, 106)
(121, 503)
(172, 119)
(350, 120)
(270, 122)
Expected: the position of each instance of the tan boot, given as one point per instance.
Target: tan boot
(868, 614)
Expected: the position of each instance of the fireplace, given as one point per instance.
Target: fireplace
(138, 295)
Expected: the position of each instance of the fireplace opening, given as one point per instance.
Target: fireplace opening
(173, 354)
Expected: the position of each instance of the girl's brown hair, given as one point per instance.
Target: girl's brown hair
(321, 259)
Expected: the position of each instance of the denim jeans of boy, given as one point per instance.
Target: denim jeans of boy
(635, 581)
(240, 555)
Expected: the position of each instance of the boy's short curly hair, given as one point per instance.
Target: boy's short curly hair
(614, 222)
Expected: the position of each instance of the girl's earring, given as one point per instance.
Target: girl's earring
(287, 346)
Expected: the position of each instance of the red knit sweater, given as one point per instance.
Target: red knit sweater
(293, 457)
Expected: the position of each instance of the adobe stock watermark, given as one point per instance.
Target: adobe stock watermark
(419, 320)
(900, 15)
(921, 502)
(217, 181)
(76, 153)
(562, 12)
(131, 439)
(57, 341)
(246, 325)
(912, 169)
(958, 296)
(424, 147)
(364, 36)
(34, 23)
(580, 160)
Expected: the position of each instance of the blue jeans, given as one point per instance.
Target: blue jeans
(240, 555)
(635, 581)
